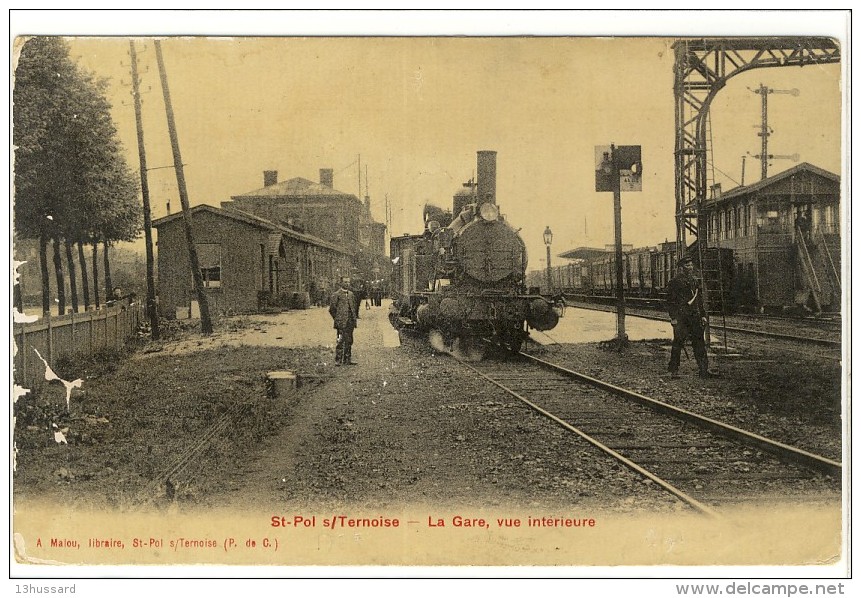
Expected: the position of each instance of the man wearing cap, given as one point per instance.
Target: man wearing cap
(688, 317)
(344, 311)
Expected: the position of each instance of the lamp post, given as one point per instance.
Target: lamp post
(548, 239)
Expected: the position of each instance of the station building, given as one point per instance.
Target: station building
(320, 210)
(284, 245)
(248, 263)
(784, 232)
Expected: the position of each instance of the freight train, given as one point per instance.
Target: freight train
(773, 247)
(465, 274)
(646, 272)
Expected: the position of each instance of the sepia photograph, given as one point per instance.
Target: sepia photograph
(528, 293)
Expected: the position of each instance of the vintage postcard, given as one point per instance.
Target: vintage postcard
(544, 300)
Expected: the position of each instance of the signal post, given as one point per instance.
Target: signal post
(619, 168)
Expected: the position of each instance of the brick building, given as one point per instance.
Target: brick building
(247, 262)
(316, 208)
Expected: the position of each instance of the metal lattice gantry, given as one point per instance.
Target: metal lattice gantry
(702, 68)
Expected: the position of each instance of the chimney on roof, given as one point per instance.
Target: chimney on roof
(327, 177)
(270, 177)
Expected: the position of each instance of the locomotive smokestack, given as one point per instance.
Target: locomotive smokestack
(327, 177)
(486, 176)
(270, 177)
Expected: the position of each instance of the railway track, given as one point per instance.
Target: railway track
(163, 482)
(705, 463)
(188, 453)
(812, 336)
(827, 321)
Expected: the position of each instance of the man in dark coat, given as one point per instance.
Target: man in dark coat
(688, 317)
(344, 311)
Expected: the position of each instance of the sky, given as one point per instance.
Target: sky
(415, 110)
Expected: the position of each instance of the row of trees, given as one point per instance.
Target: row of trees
(73, 187)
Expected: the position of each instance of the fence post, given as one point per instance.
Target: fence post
(91, 331)
(23, 350)
(50, 338)
(72, 323)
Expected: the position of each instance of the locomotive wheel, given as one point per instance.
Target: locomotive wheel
(514, 344)
(468, 347)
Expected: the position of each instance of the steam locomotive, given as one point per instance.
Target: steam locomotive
(465, 275)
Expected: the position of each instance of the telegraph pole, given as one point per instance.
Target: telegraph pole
(205, 321)
(152, 314)
(764, 131)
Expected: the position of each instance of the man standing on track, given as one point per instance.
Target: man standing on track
(344, 311)
(688, 317)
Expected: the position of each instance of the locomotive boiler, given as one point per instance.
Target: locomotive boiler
(464, 275)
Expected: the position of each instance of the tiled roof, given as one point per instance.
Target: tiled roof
(296, 187)
(254, 221)
(747, 189)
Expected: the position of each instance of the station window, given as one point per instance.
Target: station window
(209, 259)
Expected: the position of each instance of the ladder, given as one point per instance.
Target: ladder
(809, 271)
(833, 269)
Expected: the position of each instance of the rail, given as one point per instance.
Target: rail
(785, 451)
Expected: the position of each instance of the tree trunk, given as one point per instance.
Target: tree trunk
(17, 299)
(109, 285)
(85, 282)
(152, 314)
(46, 278)
(73, 275)
(61, 281)
(96, 273)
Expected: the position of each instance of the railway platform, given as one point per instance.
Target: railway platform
(299, 328)
(589, 326)
(313, 327)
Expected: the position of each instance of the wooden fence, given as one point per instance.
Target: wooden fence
(55, 337)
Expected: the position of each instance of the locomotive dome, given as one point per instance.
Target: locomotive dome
(462, 197)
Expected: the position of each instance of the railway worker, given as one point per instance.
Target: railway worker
(343, 308)
(688, 317)
(802, 225)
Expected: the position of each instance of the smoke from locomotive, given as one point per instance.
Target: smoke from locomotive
(465, 275)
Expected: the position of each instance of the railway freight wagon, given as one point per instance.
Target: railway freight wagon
(641, 282)
(602, 274)
(648, 271)
(664, 265)
(645, 275)
(565, 278)
(465, 275)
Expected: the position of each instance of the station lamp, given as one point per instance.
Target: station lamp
(548, 239)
